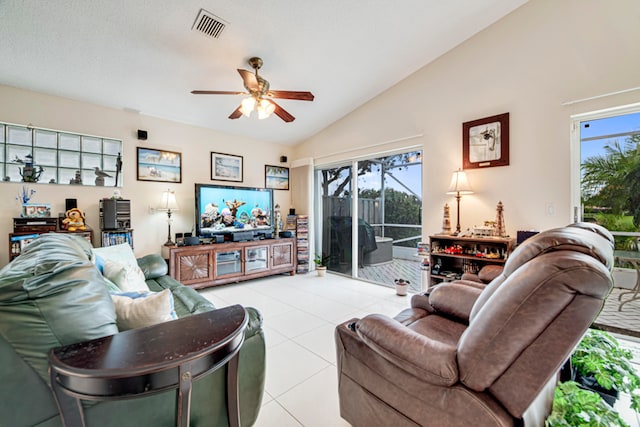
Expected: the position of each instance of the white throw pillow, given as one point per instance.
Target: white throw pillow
(137, 310)
(118, 253)
(126, 277)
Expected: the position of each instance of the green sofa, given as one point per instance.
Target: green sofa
(53, 295)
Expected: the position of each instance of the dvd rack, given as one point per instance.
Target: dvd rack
(300, 223)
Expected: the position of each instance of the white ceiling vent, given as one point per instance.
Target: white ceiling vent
(209, 24)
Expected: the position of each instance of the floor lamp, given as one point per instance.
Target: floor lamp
(168, 204)
(459, 186)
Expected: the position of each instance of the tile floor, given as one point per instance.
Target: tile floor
(300, 314)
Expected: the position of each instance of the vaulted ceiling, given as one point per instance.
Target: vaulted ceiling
(143, 55)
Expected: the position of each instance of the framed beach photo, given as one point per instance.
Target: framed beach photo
(36, 210)
(159, 165)
(485, 142)
(226, 167)
(276, 177)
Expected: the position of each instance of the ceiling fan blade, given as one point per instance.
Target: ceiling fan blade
(236, 113)
(282, 113)
(290, 94)
(216, 92)
(250, 80)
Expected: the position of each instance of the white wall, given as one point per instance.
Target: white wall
(545, 53)
(195, 144)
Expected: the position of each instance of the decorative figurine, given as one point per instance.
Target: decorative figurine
(30, 172)
(77, 180)
(446, 221)
(74, 220)
(100, 176)
(278, 220)
(118, 169)
(500, 229)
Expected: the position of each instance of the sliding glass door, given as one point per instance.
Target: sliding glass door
(379, 201)
(334, 187)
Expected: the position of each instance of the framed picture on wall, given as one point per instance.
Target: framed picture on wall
(226, 167)
(485, 142)
(159, 165)
(276, 177)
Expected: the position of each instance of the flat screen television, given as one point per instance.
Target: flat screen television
(228, 209)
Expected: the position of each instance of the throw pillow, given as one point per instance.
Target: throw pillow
(122, 254)
(126, 277)
(140, 309)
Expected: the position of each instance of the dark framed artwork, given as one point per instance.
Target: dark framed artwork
(485, 142)
(276, 177)
(159, 165)
(226, 167)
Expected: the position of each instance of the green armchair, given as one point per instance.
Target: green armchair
(53, 295)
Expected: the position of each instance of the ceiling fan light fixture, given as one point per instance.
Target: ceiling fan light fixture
(265, 109)
(248, 104)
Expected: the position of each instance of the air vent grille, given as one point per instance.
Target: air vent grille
(209, 24)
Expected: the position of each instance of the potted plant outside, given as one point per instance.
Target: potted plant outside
(601, 364)
(321, 261)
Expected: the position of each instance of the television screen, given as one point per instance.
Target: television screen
(226, 209)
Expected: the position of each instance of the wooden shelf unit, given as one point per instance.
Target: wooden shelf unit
(201, 266)
(451, 256)
(18, 240)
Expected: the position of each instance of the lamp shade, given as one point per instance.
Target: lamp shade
(168, 202)
(459, 183)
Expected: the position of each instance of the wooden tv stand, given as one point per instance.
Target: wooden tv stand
(201, 266)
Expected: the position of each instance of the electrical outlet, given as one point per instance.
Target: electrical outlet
(550, 209)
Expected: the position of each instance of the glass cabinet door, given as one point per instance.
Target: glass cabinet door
(256, 258)
(228, 262)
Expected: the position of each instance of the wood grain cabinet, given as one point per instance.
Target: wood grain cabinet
(210, 265)
(451, 256)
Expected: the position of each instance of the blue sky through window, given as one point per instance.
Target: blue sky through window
(606, 126)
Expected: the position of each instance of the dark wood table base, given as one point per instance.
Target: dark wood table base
(150, 360)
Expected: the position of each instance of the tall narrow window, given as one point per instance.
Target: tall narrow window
(610, 181)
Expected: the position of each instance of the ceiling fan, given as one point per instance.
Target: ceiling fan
(260, 96)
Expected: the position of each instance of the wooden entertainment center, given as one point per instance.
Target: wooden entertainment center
(201, 266)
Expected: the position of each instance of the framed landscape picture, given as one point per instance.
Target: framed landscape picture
(226, 167)
(276, 177)
(159, 165)
(485, 142)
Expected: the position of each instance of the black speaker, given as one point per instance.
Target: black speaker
(70, 204)
(142, 135)
(283, 159)
(109, 214)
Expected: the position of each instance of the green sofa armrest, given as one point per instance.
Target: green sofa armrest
(153, 266)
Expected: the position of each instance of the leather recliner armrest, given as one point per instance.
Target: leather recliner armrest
(153, 266)
(455, 299)
(408, 350)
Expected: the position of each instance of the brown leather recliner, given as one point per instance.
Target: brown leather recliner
(467, 356)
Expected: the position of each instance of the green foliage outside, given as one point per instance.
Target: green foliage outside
(574, 406)
(400, 207)
(600, 355)
(610, 186)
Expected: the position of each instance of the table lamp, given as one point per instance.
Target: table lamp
(459, 186)
(168, 203)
